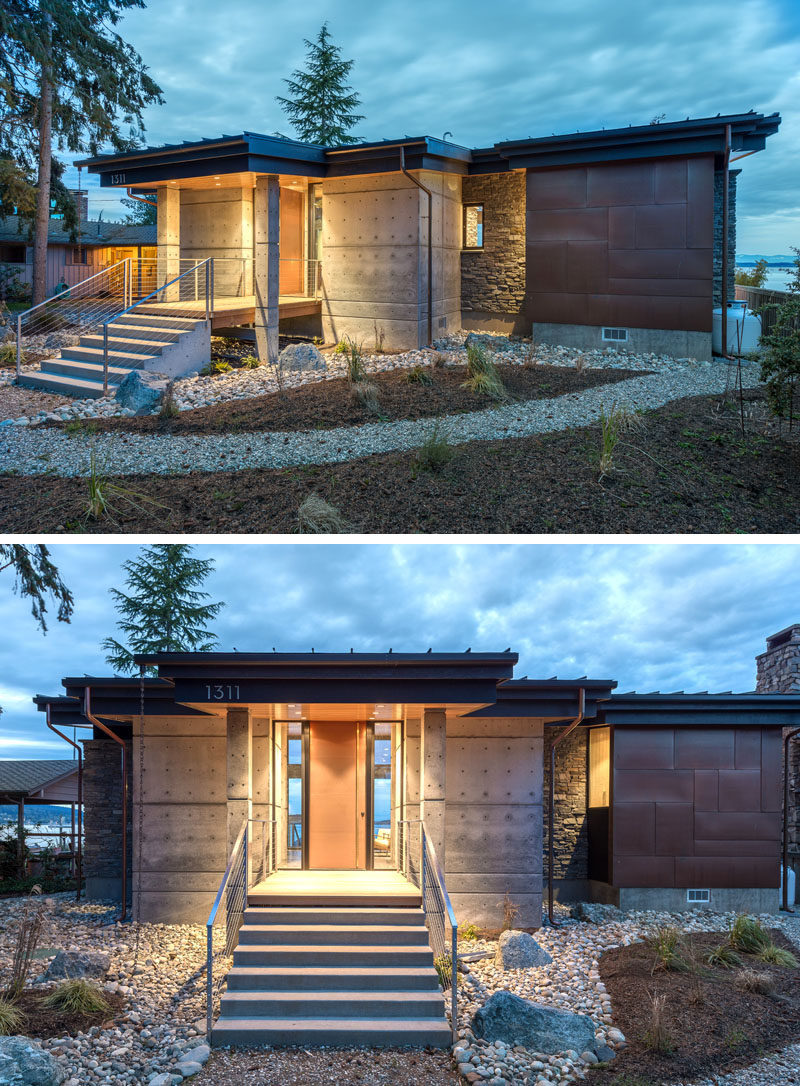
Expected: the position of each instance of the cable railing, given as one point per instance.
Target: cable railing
(73, 312)
(252, 860)
(420, 866)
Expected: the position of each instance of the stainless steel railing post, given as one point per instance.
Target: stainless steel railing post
(209, 976)
(105, 359)
(19, 340)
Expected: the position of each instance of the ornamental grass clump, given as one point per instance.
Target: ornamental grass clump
(753, 980)
(657, 1037)
(419, 375)
(30, 923)
(667, 942)
(317, 517)
(434, 453)
(776, 955)
(610, 432)
(748, 936)
(482, 376)
(77, 996)
(12, 1020)
(723, 957)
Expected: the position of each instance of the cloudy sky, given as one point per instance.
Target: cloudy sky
(661, 616)
(484, 73)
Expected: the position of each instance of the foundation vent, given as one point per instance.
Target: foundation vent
(698, 897)
(615, 335)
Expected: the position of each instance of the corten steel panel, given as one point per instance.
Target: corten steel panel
(587, 267)
(771, 769)
(700, 204)
(737, 825)
(704, 748)
(622, 228)
(740, 790)
(727, 872)
(576, 224)
(559, 308)
(634, 829)
(661, 264)
(661, 226)
(643, 748)
(546, 266)
(747, 749)
(620, 183)
(636, 311)
(660, 288)
(556, 189)
(653, 785)
(674, 829)
(706, 790)
(671, 178)
(332, 796)
(731, 848)
(694, 314)
(644, 871)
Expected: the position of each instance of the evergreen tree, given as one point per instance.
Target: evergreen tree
(140, 214)
(35, 575)
(165, 610)
(322, 103)
(66, 80)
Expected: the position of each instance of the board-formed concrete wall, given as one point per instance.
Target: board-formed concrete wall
(374, 258)
(219, 223)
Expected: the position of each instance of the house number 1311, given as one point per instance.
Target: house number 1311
(222, 693)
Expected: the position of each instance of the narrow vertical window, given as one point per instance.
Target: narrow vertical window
(473, 226)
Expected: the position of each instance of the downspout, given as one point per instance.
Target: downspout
(786, 741)
(725, 216)
(426, 190)
(140, 199)
(570, 728)
(87, 712)
(72, 743)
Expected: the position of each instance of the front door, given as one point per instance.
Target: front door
(332, 801)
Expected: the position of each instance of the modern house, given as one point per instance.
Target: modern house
(343, 788)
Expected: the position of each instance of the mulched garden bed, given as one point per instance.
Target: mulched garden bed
(712, 1025)
(323, 1066)
(688, 470)
(44, 1021)
(324, 405)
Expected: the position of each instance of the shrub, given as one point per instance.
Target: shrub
(657, 1037)
(755, 278)
(580, 363)
(667, 942)
(169, 409)
(723, 957)
(748, 935)
(12, 1020)
(444, 969)
(751, 980)
(529, 356)
(316, 516)
(434, 453)
(79, 997)
(776, 955)
(249, 362)
(354, 361)
(366, 394)
(380, 335)
(8, 355)
(482, 376)
(419, 375)
(439, 361)
(30, 922)
(780, 361)
(469, 932)
(510, 912)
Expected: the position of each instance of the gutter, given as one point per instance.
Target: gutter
(426, 190)
(786, 741)
(79, 851)
(140, 199)
(570, 728)
(87, 712)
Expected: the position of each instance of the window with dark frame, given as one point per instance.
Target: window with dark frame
(79, 255)
(12, 254)
(473, 226)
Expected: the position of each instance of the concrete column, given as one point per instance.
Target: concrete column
(168, 233)
(267, 216)
(261, 809)
(432, 764)
(239, 738)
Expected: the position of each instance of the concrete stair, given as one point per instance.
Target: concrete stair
(318, 975)
(135, 341)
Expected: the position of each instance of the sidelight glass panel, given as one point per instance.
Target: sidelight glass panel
(599, 766)
(382, 796)
(290, 773)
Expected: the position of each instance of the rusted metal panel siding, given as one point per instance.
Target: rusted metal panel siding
(623, 244)
(696, 807)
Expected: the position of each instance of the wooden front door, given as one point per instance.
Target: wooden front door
(332, 798)
(292, 266)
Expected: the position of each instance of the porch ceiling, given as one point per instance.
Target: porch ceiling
(236, 180)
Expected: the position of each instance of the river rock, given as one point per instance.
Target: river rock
(517, 1021)
(519, 950)
(69, 964)
(489, 342)
(25, 1063)
(142, 390)
(301, 356)
(592, 913)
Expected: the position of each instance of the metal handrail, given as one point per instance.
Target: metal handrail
(49, 301)
(209, 306)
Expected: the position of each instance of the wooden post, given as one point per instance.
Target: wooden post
(266, 278)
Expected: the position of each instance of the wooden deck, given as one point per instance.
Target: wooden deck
(230, 312)
(387, 888)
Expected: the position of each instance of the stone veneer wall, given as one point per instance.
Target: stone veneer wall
(102, 798)
(571, 838)
(718, 190)
(493, 278)
(778, 672)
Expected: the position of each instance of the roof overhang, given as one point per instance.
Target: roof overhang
(701, 710)
(551, 700)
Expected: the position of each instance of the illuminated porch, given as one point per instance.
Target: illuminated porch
(342, 888)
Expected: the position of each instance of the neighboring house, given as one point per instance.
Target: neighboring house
(40, 781)
(612, 237)
(100, 244)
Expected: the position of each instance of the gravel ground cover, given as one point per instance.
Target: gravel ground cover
(325, 1066)
(686, 469)
(16, 401)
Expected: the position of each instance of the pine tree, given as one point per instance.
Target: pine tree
(322, 103)
(165, 610)
(66, 80)
(36, 575)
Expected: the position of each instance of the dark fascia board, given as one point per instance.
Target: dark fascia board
(332, 665)
(551, 699)
(701, 710)
(112, 697)
(213, 689)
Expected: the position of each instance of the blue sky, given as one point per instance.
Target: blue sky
(486, 73)
(653, 616)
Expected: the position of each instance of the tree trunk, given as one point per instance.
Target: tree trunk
(43, 190)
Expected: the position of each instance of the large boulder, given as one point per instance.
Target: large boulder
(142, 390)
(70, 964)
(592, 913)
(301, 356)
(518, 950)
(25, 1063)
(517, 1021)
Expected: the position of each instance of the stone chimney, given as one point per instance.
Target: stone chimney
(779, 667)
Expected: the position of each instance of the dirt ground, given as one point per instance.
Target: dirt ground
(324, 1066)
(688, 469)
